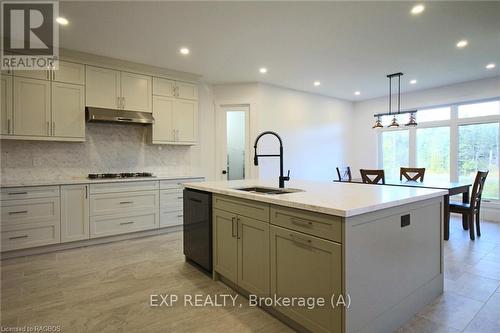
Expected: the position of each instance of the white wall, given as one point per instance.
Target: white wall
(364, 138)
(314, 128)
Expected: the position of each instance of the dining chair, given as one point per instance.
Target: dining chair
(415, 174)
(378, 176)
(471, 210)
(345, 174)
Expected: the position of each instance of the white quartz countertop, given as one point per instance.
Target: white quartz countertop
(84, 180)
(340, 199)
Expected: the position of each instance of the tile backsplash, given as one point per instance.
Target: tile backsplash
(109, 148)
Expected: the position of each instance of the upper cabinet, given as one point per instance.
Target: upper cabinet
(33, 74)
(69, 72)
(31, 107)
(112, 89)
(6, 104)
(68, 115)
(186, 90)
(169, 88)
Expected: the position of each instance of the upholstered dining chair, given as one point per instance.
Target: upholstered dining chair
(372, 176)
(344, 174)
(415, 174)
(471, 210)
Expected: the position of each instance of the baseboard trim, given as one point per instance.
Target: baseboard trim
(87, 242)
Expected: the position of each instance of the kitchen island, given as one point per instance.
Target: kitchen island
(373, 254)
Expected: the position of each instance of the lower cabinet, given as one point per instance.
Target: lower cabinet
(307, 266)
(241, 251)
(74, 212)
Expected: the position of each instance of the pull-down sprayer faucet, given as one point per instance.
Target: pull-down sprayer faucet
(282, 178)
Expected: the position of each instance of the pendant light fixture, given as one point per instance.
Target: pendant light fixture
(394, 122)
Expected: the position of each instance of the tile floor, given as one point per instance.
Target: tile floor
(106, 288)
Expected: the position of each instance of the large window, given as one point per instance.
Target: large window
(452, 142)
(395, 149)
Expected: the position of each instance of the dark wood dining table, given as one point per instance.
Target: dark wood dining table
(453, 188)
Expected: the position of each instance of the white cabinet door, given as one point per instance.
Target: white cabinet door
(70, 72)
(102, 87)
(163, 127)
(31, 107)
(186, 90)
(136, 91)
(163, 87)
(6, 104)
(68, 110)
(33, 74)
(74, 212)
(186, 120)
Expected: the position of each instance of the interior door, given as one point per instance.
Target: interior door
(68, 110)
(102, 87)
(31, 107)
(136, 91)
(233, 142)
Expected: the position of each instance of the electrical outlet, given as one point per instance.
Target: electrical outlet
(37, 161)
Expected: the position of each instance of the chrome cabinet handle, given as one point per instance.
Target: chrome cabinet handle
(238, 228)
(126, 202)
(126, 223)
(8, 126)
(301, 222)
(86, 192)
(179, 197)
(53, 128)
(232, 226)
(300, 240)
(48, 128)
(180, 215)
(17, 193)
(19, 212)
(17, 237)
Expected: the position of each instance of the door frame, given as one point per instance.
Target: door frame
(220, 137)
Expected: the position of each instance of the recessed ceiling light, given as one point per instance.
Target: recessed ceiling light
(263, 70)
(357, 93)
(491, 66)
(62, 20)
(417, 9)
(184, 50)
(317, 83)
(462, 43)
(413, 81)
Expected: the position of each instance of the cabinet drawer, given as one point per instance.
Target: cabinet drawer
(321, 225)
(177, 183)
(124, 187)
(30, 236)
(13, 193)
(107, 226)
(168, 218)
(116, 203)
(19, 212)
(248, 208)
(171, 200)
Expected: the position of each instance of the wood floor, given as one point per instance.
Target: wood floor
(107, 288)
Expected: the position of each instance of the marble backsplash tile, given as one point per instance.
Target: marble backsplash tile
(108, 148)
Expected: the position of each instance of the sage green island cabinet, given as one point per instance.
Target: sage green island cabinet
(373, 254)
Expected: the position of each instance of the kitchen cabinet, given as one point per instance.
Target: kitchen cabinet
(74, 212)
(31, 111)
(68, 110)
(176, 121)
(225, 245)
(186, 90)
(69, 72)
(112, 89)
(307, 266)
(102, 87)
(32, 74)
(6, 104)
(163, 87)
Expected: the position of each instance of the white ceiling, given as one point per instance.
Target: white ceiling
(348, 46)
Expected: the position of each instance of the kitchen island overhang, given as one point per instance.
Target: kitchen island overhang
(379, 246)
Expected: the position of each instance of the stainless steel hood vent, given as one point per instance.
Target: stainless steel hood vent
(95, 115)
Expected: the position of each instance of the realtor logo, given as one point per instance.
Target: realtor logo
(30, 35)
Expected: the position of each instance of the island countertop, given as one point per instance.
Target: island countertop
(340, 199)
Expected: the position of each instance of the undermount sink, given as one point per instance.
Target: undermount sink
(268, 190)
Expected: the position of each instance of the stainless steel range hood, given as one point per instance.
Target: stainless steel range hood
(118, 116)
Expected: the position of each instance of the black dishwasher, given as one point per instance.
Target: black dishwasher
(198, 228)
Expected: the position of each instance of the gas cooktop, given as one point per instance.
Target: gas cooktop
(119, 175)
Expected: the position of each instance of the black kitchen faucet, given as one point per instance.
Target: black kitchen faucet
(282, 178)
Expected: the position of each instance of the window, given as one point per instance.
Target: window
(433, 114)
(395, 152)
(433, 152)
(479, 109)
(452, 142)
(478, 150)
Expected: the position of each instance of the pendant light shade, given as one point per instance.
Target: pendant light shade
(413, 120)
(394, 123)
(378, 123)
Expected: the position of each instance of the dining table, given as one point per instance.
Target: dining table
(453, 188)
